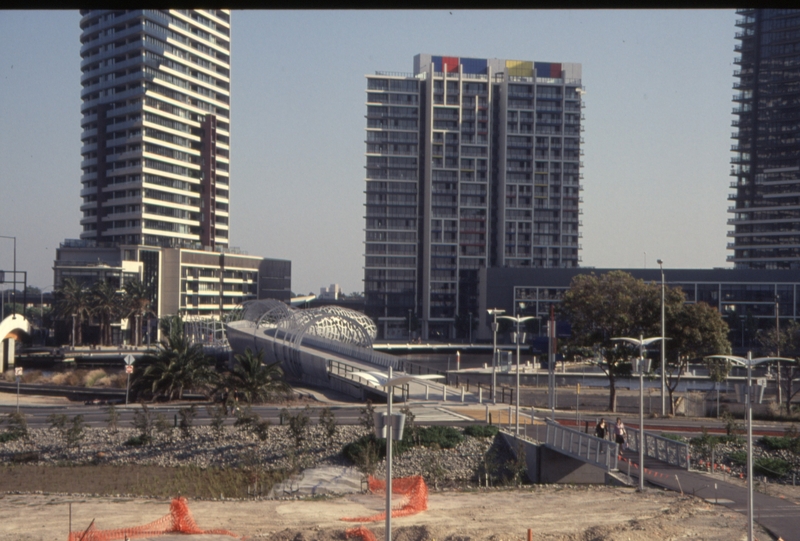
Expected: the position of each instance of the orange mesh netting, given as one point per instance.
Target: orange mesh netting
(414, 492)
(179, 520)
(360, 531)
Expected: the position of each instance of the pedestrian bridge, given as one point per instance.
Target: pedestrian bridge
(567, 455)
(12, 329)
(326, 346)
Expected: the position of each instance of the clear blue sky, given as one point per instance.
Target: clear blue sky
(657, 128)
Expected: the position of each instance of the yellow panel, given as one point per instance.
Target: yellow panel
(519, 68)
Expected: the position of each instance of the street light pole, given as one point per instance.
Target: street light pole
(494, 312)
(749, 362)
(518, 338)
(663, 348)
(641, 342)
(470, 327)
(778, 348)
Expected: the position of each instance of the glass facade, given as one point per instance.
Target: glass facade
(766, 163)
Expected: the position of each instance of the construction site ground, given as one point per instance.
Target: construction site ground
(554, 512)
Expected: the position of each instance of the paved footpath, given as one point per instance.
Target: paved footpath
(779, 516)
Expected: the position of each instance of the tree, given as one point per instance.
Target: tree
(72, 299)
(137, 304)
(789, 342)
(256, 381)
(694, 331)
(178, 365)
(614, 304)
(105, 304)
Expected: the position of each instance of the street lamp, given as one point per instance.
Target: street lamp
(14, 305)
(409, 324)
(470, 327)
(778, 348)
(494, 312)
(518, 338)
(749, 362)
(641, 342)
(389, 383)
(663, 347)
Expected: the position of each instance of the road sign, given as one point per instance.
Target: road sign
(129, 369)
(129, 359)
(578, 388)
(17, 370)
(761, 382)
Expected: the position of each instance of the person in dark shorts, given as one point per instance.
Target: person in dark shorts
(620, 434)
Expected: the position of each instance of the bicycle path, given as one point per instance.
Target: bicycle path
(779, 516)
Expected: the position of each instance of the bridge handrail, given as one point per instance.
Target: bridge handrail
(672, 452)
(346, 371)
(585, 447)
(352, 351)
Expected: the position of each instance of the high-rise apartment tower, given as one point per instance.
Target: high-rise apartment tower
(470, 163)
(766, 163)
(156, 127)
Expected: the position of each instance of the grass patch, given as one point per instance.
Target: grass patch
(157, 481)
(774, 468)
(481, 431)
(673, 437)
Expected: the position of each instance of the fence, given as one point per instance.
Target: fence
(574, 443)
(666, 450)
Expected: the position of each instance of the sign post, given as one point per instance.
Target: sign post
(18, 374)
(128, 370)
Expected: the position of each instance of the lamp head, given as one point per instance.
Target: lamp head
(660, 262)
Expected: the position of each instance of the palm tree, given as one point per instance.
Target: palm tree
(106, 303)
(177, 366)
(258, 382)
(137, 304)
(72, 299)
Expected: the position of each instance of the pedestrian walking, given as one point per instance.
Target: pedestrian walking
(620, 436)
(600, 429)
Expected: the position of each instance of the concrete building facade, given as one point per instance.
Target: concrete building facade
(156, 127)
(470, 163)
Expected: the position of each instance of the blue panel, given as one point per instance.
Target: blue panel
(542, 69)
(437, 63)
(474, 65)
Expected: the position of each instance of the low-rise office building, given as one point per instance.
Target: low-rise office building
(747, 298)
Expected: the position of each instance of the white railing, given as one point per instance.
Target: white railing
(666, 450)
(585, 447)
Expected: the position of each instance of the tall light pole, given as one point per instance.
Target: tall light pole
(470, 327)
(14, 303)
(641, 342)
(519, 337)
(409, 324)
(663, 348)
(778, 348)
(41, 302)
(749, 362)
(389, 382)
(494, 312)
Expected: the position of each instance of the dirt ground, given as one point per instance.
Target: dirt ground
(554, 513)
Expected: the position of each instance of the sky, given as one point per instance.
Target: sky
(657, 128)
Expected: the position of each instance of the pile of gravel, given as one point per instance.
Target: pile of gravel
(238, 448)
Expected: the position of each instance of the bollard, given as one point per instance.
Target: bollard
(176, 420)
(489, 421)
(480, 395)
(444, 393)
(462, 395)
(490, 415)
(467, 384)
(509, 417)
(503, 397)
(427, 389)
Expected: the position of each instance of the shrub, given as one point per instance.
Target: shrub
(777, 443)
(774, 468)
(217, 414)
(187, 416)
(93, 376)
(17, 426)
(298, 423)
(366, 418)
(327, 421)
(113, 418)
(143, 422)
(163, 426)
(248, 420)
(738, 457)
(673, 437)
(445, 437)
(365, 453)
(71, 432)
(732, 425)
(137, 440)
(481, 431)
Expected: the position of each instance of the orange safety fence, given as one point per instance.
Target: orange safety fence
(361, 532)
(179, 520)
(414, 492)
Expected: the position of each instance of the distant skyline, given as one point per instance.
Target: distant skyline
(657, 129)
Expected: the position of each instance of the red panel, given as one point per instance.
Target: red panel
(452, 63)
(555, 71)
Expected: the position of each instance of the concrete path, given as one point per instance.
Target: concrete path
(779, 516)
